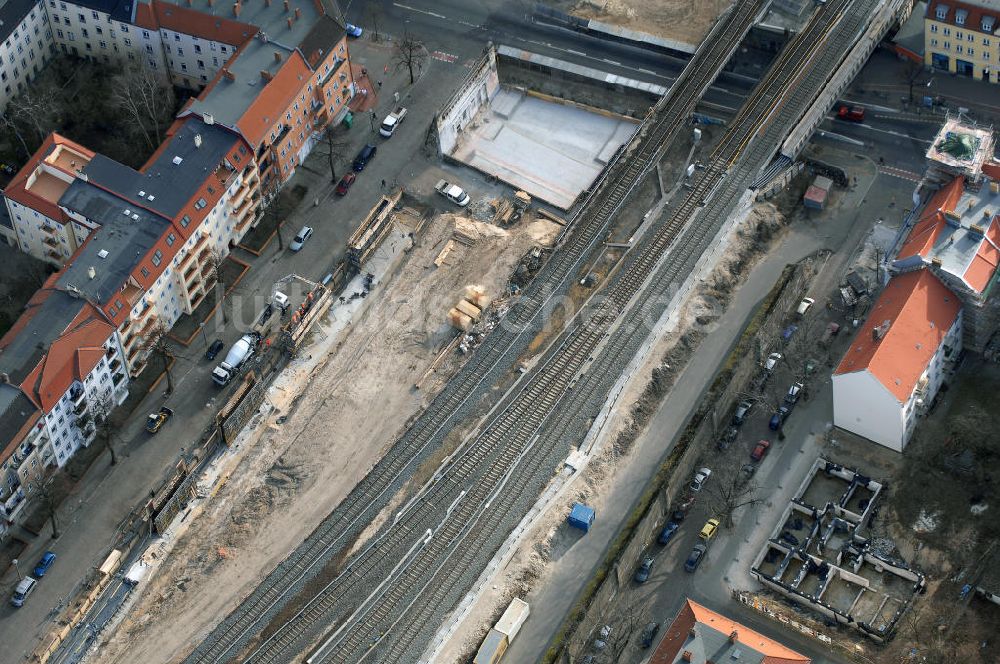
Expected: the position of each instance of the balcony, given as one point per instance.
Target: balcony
(14, 502)
(81, 408)
(20, 456)
(117, 378)
(132, 294)
(49, 230)
(53, 254)
(115, 364)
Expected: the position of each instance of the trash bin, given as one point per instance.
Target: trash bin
(349, 120)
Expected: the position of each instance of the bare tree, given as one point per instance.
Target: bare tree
(410, 54)
(11, 127)
(106, 429)
(50, 502)
(157, 344)
(146, 100)
(337, 148)
(215, 263)
(35, 114)
(374, 17)
(731, 488)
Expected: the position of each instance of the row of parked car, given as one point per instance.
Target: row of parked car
(27, 585)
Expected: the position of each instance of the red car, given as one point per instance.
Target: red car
(761, 450)
(851, 113)
(345, 184)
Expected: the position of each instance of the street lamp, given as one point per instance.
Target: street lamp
(16, 569)
(201, 327)
(372, 117)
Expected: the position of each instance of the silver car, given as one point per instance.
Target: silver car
(300, 238)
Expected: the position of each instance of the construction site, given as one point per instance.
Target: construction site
(452, 380)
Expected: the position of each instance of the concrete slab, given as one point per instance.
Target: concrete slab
(553, 151)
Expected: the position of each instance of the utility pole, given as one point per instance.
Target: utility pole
(17, 569)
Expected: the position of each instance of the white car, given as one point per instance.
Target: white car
(700, 478)
(772, 362)
(804, 305)
(300, 238)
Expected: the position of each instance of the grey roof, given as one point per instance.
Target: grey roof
(47, 323)
(170, 184)
(12, 12)
(15, 409)
(125, 238)
(227, 101)
(711, 645)
(119, 10)
(323, 37)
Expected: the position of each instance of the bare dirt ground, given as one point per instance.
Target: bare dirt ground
(683, 20)
(547, 540)
(336, 430)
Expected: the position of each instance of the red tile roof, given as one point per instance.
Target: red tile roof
(70, 357)
(193, 22)
(689, 624)
(932, 220)
(973, 21)
(920, 311)
(17, 190)
(269, 108)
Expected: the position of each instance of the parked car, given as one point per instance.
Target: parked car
(645, 569)
(353, 30)
(214, 349)
(804, 305)
(709, 529)
(678, 516)
(771, 362)
(728, 438)
(601, 641)
(24, 588)
(851, 113)
(155, 421)
(366, 154)
(778, 418)
(300, 238)
(668, 532)
(695, 557)
(649, 633)
(760, 450)
(44, 564)
(700, 478)
(793, 394)
(345, 183)
(789, 331)
(742, 412)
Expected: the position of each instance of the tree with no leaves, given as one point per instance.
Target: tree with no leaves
(146, 100)
(215, 262)
(337, 148)
(374, 17)
(731, 488)
(410, 54)
(156, 344)
(107, 430)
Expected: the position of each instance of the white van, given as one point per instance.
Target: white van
(24, 588)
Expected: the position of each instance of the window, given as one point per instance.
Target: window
(970, 37)
(934, 42)
(971, 51)
(201, 64)
(941, 13)
(145, 273)
(986, 42)
(959, 48)
(123, 26)
(177, 36)
(157, 258)
(224, 48)
(104, 44)
(947, 45)
(184, 66)
(100, 31)
(84, 32)
(958, 34)
(180, 51)
(128, 42)
(83, 19)
(145, 34)
(960, 16)
(197, 48)
(185, 220)
(171, 238)
(947, 31)
(200, 203)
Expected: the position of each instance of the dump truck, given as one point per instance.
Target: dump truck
(452, 192)
(237, 356)
(392, 121)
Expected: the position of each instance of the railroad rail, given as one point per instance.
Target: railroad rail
(483, 477)
(494, 358)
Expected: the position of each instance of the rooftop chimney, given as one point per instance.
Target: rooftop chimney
(290, 19)
(236, 9)
(286, 5)
(277, 56)
(265, 74)
(228, 74)
(686, 655)
(298, 13)
(734, 636)
(197, 140)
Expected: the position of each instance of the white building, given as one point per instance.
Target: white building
(898, 359)
(25, 45)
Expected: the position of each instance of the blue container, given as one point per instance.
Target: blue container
(581, 517)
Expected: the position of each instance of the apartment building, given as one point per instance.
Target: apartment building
(26, 45)
(898, 360)
(62, 369)
(959, 38)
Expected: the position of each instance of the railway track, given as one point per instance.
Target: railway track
(503, 445)
(494, 358)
